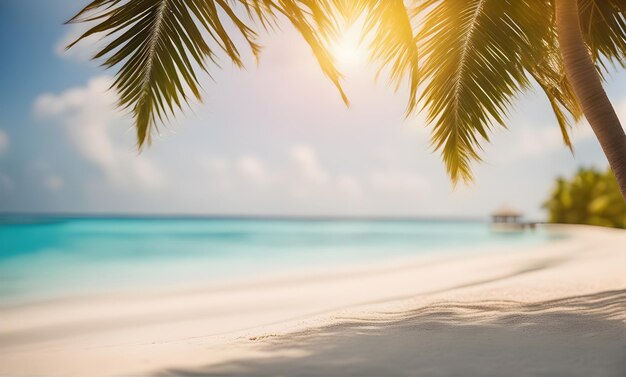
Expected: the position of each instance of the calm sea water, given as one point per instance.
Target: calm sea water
(43, 258)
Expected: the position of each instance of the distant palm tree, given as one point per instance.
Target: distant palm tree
(470, 57)
(590, 197)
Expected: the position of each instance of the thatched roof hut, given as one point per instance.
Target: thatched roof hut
(506, 214)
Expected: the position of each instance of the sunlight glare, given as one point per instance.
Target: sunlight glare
(347, 50)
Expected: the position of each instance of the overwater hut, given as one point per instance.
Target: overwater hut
(506, 215)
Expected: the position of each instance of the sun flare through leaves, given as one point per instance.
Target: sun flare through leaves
(471, 59)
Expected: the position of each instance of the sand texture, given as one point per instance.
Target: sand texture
(553, 310)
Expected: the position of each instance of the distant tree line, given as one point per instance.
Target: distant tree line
(590, 197)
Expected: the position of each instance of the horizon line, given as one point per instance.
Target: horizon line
(218, 216)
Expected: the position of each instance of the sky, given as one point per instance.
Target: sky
(273, 139)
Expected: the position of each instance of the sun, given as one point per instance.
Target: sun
(347, 50)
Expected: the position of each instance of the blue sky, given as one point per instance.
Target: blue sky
(272, 139)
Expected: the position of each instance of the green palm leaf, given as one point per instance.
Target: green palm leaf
(158, 45)
(474, 57)
(473, 63)
(604, 26)
(545, 65)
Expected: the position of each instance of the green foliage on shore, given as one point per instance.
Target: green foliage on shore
(590, 197)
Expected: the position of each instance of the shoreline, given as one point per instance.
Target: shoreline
(285, 274)
(150, 334)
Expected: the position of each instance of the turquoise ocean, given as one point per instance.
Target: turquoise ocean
(43, 258)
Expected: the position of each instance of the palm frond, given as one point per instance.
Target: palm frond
(159, 44)
(473, 55)
(392, 39)
(562, 100)
(603, 23)
(316, 22)
(476, 55)
(545, 65)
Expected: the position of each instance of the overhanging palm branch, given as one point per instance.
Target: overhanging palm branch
(159, 44)
(473, 63)
(393, 42)
(545, 64)
(604, 27)
(479, 54)
(548, 72)
(475, 56)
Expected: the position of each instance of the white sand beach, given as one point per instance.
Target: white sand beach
(553, 310)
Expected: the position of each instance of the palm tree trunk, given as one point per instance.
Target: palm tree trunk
(587, 85)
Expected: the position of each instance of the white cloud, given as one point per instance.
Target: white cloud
(527, 141)
(535, 141)
(98, 131)
(253, 169)
(307, 165)
(532, 142)
(304, 182)
(4, 141)
(301, 180)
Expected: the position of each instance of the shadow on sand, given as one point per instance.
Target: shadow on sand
(574, 336)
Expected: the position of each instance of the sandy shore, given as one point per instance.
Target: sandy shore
(554, 310)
